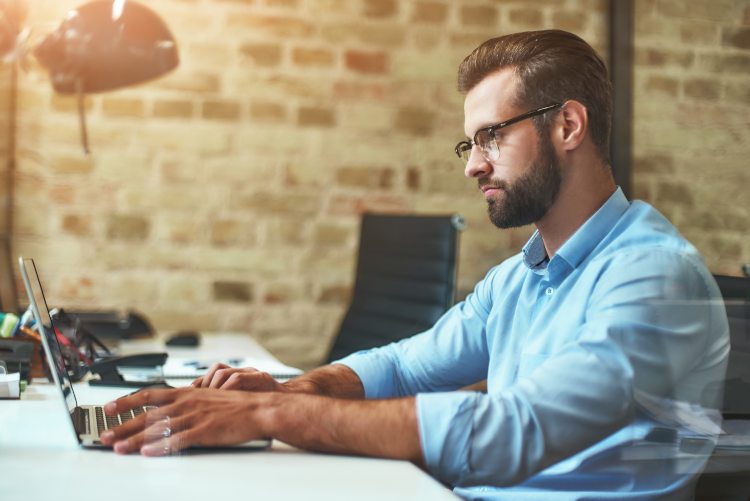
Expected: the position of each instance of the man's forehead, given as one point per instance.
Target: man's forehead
(491, 101)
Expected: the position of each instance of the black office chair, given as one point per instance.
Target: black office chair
(406, 278)
(736, 294)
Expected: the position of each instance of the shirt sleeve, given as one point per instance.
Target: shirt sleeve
(450, 355)
(650, 327)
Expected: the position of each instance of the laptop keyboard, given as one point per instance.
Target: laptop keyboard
(105, 422)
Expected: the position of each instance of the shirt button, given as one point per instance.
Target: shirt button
(550, 291)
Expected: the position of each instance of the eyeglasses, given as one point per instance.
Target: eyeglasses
(487, 140)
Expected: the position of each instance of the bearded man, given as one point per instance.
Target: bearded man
(604, 343)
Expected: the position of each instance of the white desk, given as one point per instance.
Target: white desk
(40, 459)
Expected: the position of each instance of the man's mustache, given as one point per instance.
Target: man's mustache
(487, 182)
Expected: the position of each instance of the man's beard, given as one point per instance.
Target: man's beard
(530, 196)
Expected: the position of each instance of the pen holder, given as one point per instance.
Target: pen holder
(37, 368)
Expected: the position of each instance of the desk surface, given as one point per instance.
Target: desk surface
(40, 459)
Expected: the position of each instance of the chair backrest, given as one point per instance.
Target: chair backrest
(406, 278)
(736, 294)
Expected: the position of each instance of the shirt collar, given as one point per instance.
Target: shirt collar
(583, 241)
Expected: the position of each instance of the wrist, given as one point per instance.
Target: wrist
(268, 412)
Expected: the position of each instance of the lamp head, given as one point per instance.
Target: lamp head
(106, 45)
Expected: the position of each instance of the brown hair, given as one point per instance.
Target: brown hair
(552, 66)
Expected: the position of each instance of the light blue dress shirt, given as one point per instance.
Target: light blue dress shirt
(621, 332)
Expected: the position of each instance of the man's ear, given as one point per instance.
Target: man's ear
(572, 122)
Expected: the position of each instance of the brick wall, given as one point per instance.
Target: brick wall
(692, 122)
(227, 196)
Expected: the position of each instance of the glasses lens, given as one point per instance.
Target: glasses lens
(487, 142)
(464, 151)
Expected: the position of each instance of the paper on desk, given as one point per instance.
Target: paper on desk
(186, 368)
(10, 385)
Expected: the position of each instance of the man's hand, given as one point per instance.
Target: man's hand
(185, 417)
(248, 379)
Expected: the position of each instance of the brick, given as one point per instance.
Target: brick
(429, 12)
(366, 62)
(122, 166)
(184, 289)
(221, 110)
(478, 15)
(62, 102)
(413, 178)
(76, 224)
(173, 109)
(78, 164)
(262, 54)
(167, 320)
(674, 8)
(190, 140)
(424, 67)
(333, 6)
(316, 117)
(386, 178)
(130, 228)
(190, 81)
(312, 57)
(674, 192)
(698, 32)
(358, 91)
(329, 263)
(573, 21)
(653, 163)
(286, 292)
(353, 176)
(746, 16)
(331, 234)
(267, 111)
(335, 294)
(79, 287)
(308, 173)
(277, 203)
(226, 232)
(736, 37)
(715, 10)
(664, 58)
(415, 121)
(379, 9)
(180, 230)
(702, 88)
(272, 25)
(382, 36)
(240, 292)
(666, 85)
(131, 288)
(368, 117)
(727, 63)
(210, 53)
(179, 170)
(285, 4)
(123, 107)
(262, 261)
(286, 232)
(526, 17)
(738, 92)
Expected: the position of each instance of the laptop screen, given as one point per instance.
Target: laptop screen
(49, 339)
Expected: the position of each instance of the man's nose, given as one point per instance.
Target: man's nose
(477, 166)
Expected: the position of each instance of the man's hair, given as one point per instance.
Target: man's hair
(551, 66)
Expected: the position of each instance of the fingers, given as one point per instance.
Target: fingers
(197, 383)
(206, 380)
(142, 399)
(161, 436)
(250, 381)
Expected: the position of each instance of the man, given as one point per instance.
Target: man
(607, 332)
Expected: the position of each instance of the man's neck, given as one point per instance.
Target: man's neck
(582, 193)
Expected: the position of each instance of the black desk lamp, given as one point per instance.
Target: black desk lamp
(106, 45)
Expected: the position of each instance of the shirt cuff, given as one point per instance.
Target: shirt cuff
(445, 429)
(374, 370)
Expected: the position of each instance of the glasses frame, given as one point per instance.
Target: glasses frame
(492, 128)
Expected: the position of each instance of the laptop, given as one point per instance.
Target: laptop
(87, 421)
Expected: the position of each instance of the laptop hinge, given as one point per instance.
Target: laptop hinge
(81, 421)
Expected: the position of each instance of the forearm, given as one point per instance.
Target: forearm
(378, 428)
(330, 380)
